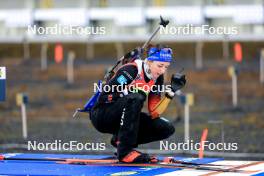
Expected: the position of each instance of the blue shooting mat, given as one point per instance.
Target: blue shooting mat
(22, 167)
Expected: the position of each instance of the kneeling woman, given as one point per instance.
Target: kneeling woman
(119, 112)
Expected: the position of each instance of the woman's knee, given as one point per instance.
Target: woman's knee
(168, 128)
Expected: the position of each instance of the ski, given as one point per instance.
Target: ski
(158, 164)
(111, 159)
(167, 162)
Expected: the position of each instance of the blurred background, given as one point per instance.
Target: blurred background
(56, 73)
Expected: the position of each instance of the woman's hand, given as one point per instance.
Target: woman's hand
(178, 81)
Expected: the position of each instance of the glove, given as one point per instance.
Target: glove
(178, 81)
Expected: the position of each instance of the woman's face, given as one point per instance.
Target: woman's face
(158, 68)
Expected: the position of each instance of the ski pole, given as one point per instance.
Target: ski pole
(163, 23)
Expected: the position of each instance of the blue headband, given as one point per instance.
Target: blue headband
(162, 55)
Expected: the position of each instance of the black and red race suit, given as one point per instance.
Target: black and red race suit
(119, 113)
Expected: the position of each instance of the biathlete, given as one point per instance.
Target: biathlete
(119, 112)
